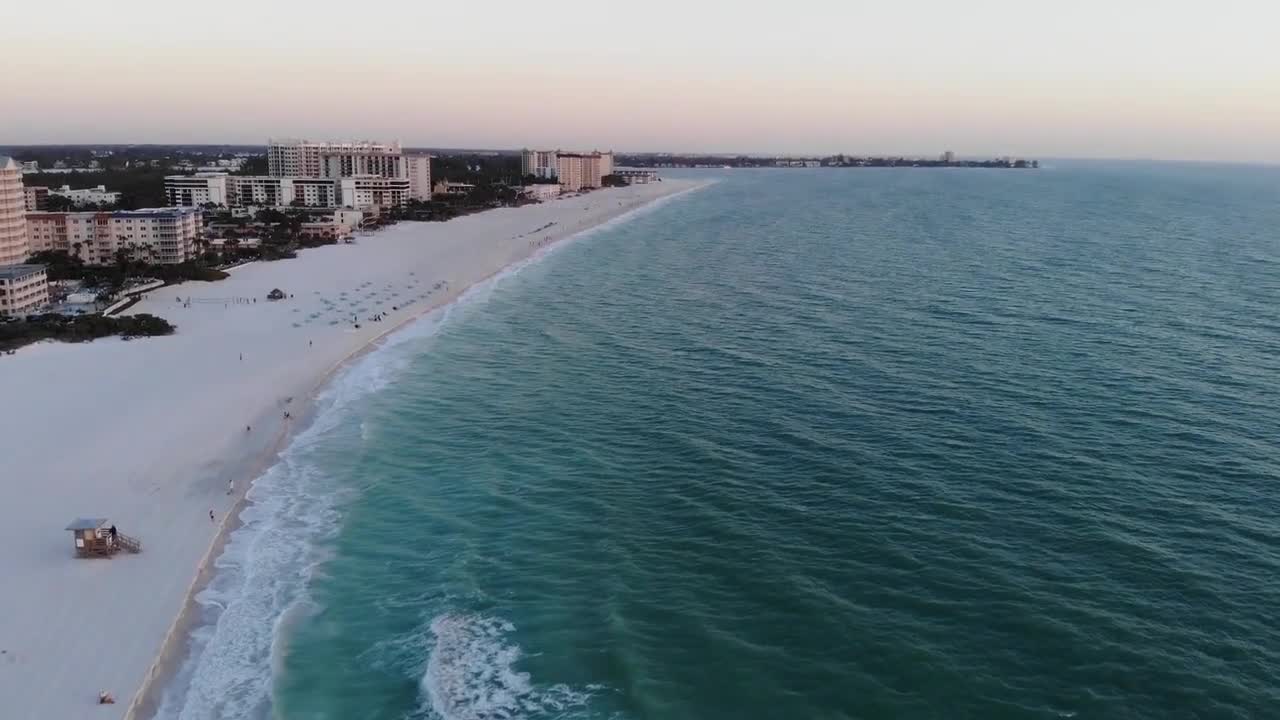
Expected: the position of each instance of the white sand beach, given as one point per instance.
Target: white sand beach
(147, 433)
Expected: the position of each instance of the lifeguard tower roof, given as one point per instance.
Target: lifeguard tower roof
(87, 524)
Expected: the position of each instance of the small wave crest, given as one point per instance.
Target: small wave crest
(471, 674)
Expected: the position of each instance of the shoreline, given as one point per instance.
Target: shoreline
(176, 646)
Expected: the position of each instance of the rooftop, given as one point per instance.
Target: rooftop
(17, 272)
(151, 212)
(87, 523)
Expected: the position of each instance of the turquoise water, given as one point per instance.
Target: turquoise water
(802, 444)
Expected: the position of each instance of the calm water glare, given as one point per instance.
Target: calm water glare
(802, 444)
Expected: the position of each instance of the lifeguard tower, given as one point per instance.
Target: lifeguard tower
(94, 539)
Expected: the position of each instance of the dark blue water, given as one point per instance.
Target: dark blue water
(821, 444)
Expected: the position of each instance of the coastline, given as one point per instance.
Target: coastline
(176, 646)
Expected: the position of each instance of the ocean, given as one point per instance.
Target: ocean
(873, 443)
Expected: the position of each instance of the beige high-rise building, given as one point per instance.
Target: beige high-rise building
(577, 171)
(13, 209)
(419, 168)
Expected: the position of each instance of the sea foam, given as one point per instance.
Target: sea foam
(471, 674)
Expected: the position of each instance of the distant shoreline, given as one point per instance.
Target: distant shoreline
(663, 162)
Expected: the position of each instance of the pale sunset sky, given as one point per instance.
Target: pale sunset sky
(1089, 78)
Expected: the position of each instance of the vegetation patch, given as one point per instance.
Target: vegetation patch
(81, 328)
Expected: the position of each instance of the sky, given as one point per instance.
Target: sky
(983, 78)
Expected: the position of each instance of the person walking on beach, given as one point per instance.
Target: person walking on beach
(112, 532)
(210, 516)
(231, 485)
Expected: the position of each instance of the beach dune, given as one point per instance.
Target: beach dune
(149, 433)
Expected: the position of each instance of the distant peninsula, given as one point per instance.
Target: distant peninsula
(947, 159)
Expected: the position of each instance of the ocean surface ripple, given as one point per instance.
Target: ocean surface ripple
(825, 444)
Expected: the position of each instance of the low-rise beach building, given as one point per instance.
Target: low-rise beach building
(87, 196)
(637, 177)
(444, 187)
(373, 191)
(85, 235)
(541, 191)
(328, 229)
(24, 289)
(158, 235)
(218, 245)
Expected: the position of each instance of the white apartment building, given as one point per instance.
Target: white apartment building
(13, 208)
(542, 163)
(267, 191)
(158, 235)
(637, 177)
(196, 190)
(244, 190)
(303, 158)
(88, 196)
(23, 289)
(419, 170)
(314, 192)
(373, 191)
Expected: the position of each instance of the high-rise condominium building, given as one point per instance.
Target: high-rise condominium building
(23, 288)
(419, 169)
(583, 170)
(13, 208)
(542, 163)
(303, 158)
